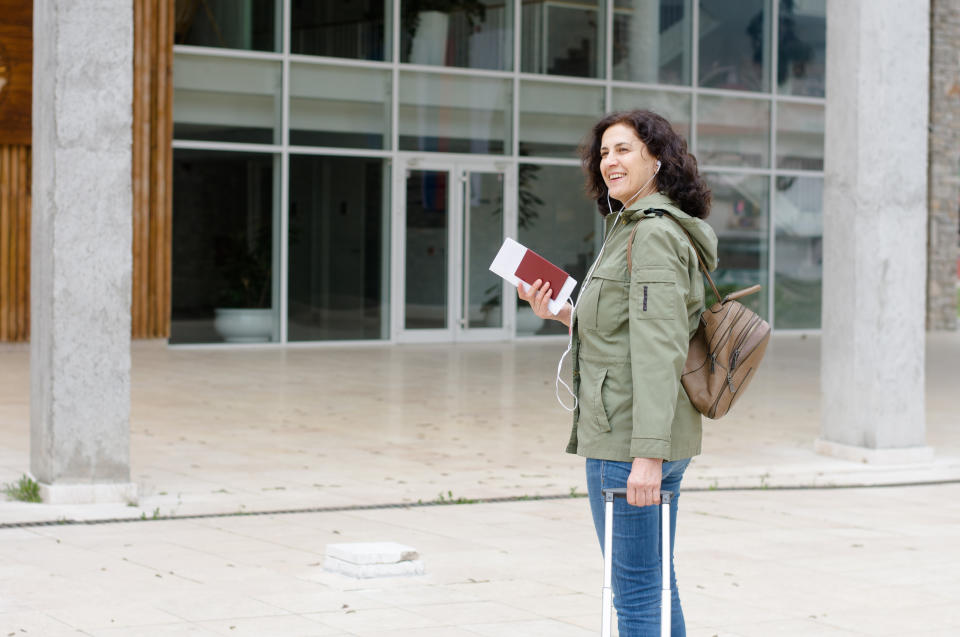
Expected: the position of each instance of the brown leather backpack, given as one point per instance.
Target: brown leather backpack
(727, 347)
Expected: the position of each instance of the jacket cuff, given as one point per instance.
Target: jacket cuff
(650, 448)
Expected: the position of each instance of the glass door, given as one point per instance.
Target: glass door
(452, 222)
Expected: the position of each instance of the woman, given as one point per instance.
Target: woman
(630, 331)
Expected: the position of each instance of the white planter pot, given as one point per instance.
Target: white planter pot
(429, 44)
(237, 325)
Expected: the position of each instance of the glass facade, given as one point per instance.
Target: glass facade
(346, 170)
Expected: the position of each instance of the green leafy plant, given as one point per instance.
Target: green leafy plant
(245, 264)
(449, 499)
(25, 489)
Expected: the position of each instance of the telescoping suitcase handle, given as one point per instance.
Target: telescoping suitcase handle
(606, 618)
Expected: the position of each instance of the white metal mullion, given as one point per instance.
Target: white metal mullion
(646, 86)
(725, 92)
(515, 76)
(511, 214)
(695, 74)
(285, 174)
(743, 170)
(398, 202)
(548, 161)
(340, 152)
(190, 144)
(511, 182)
(608, 57)
(797, 172)
(802, 99)
(456, 70)
(456, 236)
(771, 224)
(395, 88)
(739, 170)
(217, 52)
(427, 157)
(323, 60)
(560, 79)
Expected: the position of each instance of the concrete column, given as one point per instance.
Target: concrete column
(81, 256)
(644, 40)
(874, 231)
(944, 165)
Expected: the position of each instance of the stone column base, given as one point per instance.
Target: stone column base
(866, 455)
(101, 493)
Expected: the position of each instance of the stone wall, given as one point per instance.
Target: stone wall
(944, 175)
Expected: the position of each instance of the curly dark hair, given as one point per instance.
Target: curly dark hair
(678, 177)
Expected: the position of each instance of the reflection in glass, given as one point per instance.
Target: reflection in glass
(652, 41)
(735, 44)
(226, 99)
(739, 216)
(454, 114)
(799, 253)
(337, 288)
(233, 24)
(425, 281)
(555, 117)
(352, 29)
(557, 220)
(476, 34)
(800, 136)
(222, 279)
(563, 37)
(483, 290)
(675, 107)
(333, 106)
(802, 47)
(733, 132)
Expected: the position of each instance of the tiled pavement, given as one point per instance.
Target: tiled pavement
(268, 429)
(875, 561)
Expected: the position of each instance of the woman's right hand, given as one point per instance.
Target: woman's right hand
(538, 296)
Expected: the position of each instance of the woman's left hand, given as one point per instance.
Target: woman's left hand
(643, 484)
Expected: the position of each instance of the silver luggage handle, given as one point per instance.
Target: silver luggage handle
(606, 617)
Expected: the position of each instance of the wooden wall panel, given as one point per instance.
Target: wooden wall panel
(14, 243)
(152, 187)
(16, 71)
(152, 167)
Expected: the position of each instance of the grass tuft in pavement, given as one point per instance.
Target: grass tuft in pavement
(25, 489)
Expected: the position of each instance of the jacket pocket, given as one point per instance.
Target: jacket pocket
(599, 412)
(612, 304)
(653, 293)
(587, 306)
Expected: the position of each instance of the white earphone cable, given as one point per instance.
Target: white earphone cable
(583, 288)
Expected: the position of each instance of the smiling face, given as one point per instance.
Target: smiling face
(626, 164)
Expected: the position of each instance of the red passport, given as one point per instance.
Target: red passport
(533, 266)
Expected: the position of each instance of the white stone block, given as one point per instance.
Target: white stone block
(866, 455)
(373, 559)
(372, 552)
(364, 571)
(102, 493)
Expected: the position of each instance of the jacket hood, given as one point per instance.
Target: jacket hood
(703, 235)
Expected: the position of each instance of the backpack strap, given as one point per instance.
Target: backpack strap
(661, 212)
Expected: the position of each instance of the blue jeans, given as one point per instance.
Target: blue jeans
(636, 548)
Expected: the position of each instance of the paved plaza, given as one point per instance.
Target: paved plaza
(315, 430)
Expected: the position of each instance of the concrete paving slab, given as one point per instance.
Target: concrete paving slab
(265, 429)
(743, 567)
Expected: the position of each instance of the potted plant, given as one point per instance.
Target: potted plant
(243, 314)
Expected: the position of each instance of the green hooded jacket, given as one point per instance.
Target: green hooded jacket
(631, 331)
